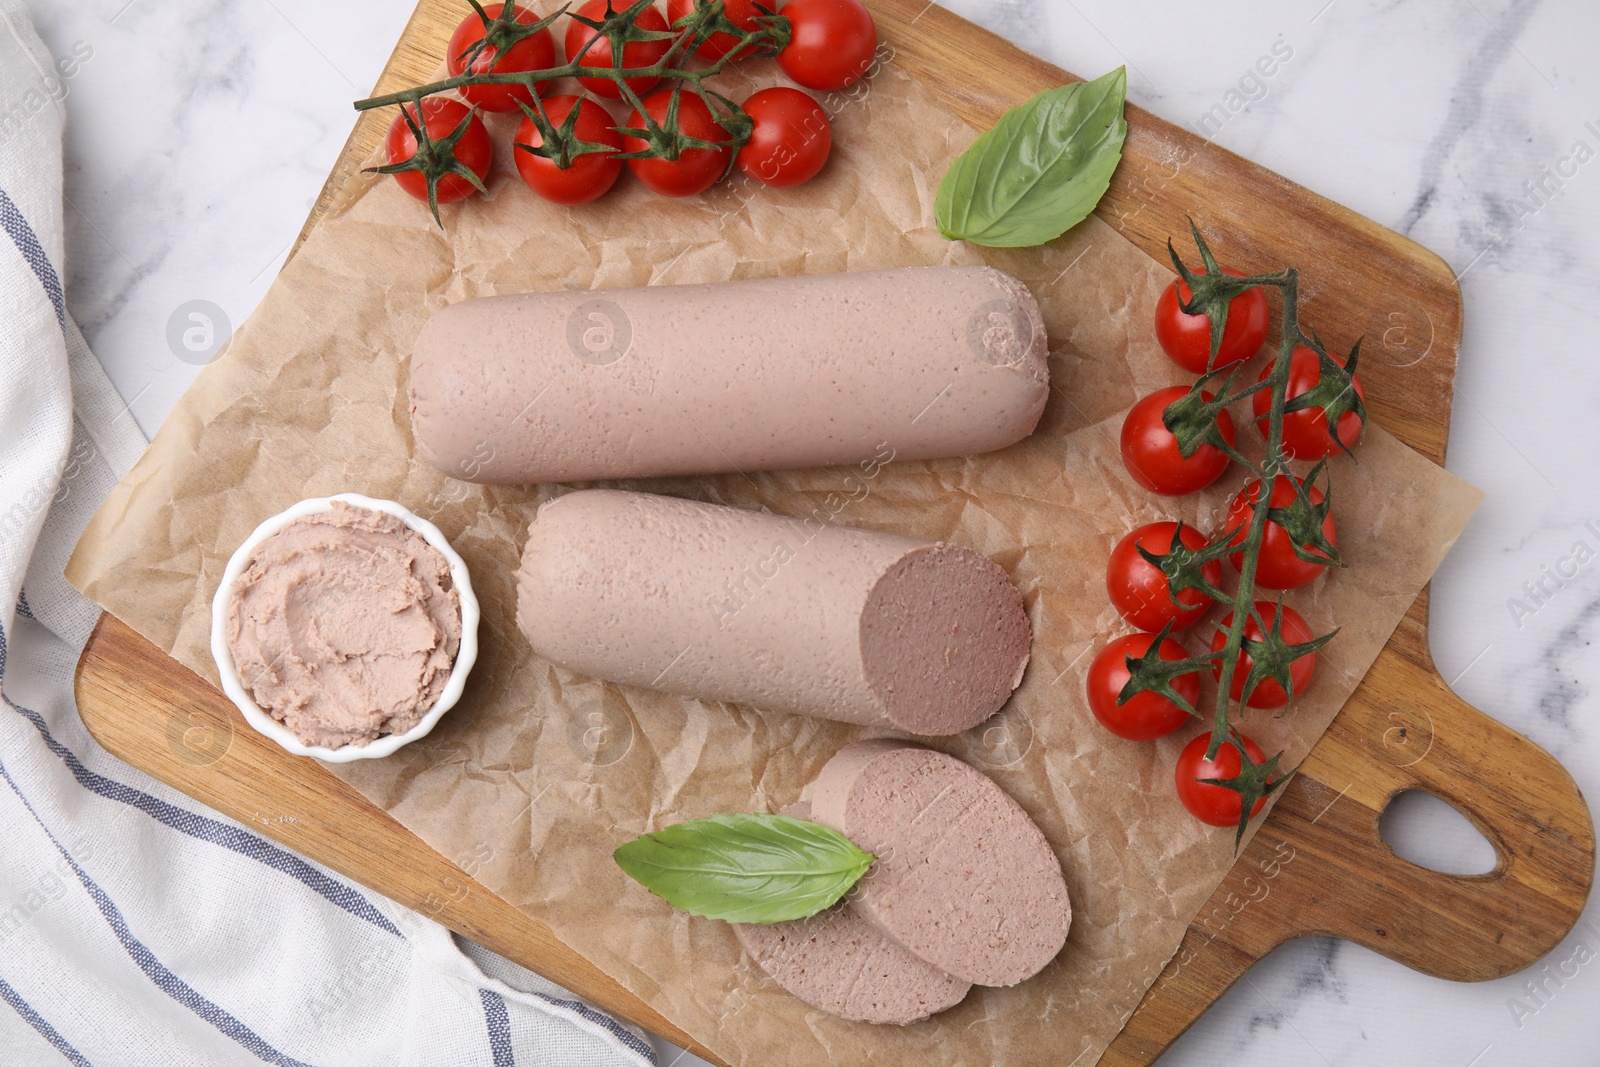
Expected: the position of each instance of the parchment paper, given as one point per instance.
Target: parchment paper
(538, 774)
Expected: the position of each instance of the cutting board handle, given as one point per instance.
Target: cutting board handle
(1462, 927)
(1322, 860)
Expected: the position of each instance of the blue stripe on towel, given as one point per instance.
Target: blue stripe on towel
(499, 1023)
(41, 1024)
(164, 979)
(627, 1037)
(28, 244)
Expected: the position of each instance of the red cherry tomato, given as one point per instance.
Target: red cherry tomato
(696, 169)
(1277, 567)
(791, 138)
(831, 43)
(1269, 694)
(1145, 716)
(742, 13)
(590, 175)
(1151, 452)
(1140, 592)
(440, 117)
(537, 51)
(1305, 432)
(1187, 338)
(1214, 805)
(634, 53)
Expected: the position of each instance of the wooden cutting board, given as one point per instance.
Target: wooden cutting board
(1318, 866)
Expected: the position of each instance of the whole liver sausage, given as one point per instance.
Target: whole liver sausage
(964, 878)
(780, 613)
(839, 962)
(771, 374)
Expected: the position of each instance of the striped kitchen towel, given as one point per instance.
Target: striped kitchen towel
(136, 927)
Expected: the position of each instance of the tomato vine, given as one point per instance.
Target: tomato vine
(1192, 419)
(768, 35)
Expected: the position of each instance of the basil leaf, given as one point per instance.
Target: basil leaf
(1040, 171)
(746, 868)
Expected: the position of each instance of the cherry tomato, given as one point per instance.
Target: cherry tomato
(742, 13)
(791, 139)
(634, 53)
(831, 42)
(440, 117)
(1268, 694)
(1214, 805)
(537, 51)
(696, 169)
(1277, 567)
(1151, 452)
(1145, 716)
(1187, 338)
(1305, 432)
(590, 175)
(1140, 592)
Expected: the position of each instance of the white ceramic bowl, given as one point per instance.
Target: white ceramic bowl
(264, 723)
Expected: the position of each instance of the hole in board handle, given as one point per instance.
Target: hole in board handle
(1432, 833)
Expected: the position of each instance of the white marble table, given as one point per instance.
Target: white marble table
(200, 133)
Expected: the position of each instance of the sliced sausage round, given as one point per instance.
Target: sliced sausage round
(842, 964)
(964, 878)
(783, 614)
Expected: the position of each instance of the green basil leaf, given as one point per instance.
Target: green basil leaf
(1040, 171)
(746, 868)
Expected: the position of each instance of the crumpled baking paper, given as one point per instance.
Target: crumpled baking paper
(539, 773)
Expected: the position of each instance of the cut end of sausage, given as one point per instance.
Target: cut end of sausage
(964, 878)
(782, 614)
(944, 640)
(842, 964)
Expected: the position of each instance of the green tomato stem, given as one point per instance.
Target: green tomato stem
(771, 33)
(1271, 465)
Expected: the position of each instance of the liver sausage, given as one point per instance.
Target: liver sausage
(926, 362)
(840, 963)
(964, 878)
(780, 613)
